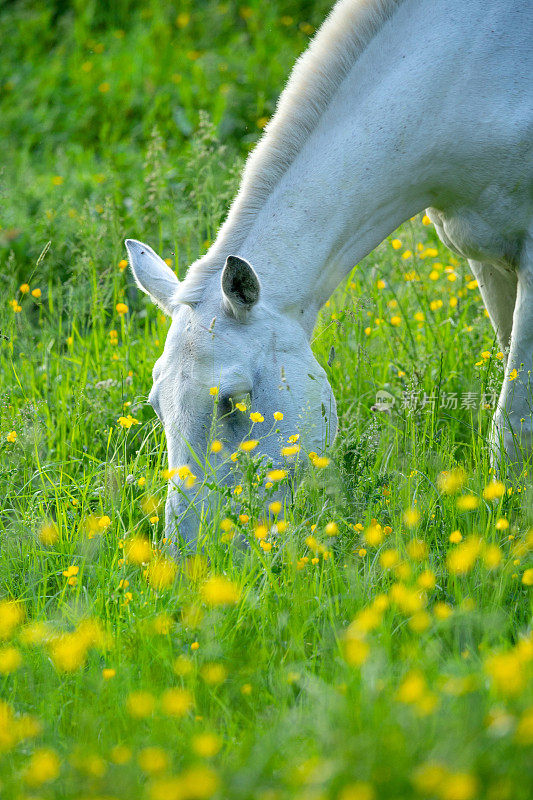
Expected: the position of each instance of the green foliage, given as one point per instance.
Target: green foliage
(372, 658)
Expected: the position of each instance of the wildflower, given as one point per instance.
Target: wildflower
(388, 559)
(220, 591)
(137, 550)
(458, 786)
(249, 445)
(24, 288)
(121, 308)
(127, 422)
(176, 702)
(463, 557)
(426, 220)
(527, 577)
(513, 375)
(412, 688)
(206, 745)
(152, 759)
(381, 284)
(104, 87)
(524, 730)
(44, 767)
(396, 244)
(320, 462)
(332, 529)
(358, 791)
(120, 754)
(15, 306)
(275, 507)
(417, 549)
(374, 534)
(278, 415)
(451, 481)
(104, 522)
(71, 575)
(12, 437)
(161, 573)
(492, 556)
(10, 660)
(140, 704)
(36, 293)
(255, 416)
(277, 474)
(122, 264)
(467, 502)
(396, 321)
(455, 537)
(214, 673)
(494, 490)
(356, 649)
(442, 610)
(195, 645)
(108, 673)
(502, 524)
(241, 406)
(411, 517)
(426, 580)
(290, 450)
(216, 446)
(406, 254)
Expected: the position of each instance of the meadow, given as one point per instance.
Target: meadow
(374, 643)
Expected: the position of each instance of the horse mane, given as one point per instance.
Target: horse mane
(316, 76)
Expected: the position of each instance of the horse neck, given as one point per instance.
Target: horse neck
(376, 158)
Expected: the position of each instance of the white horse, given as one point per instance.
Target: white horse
(396, 107)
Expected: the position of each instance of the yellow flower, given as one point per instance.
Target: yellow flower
(214, 673)
(356, 650)
(275, 507)
(176, 702)
(290, 450)
(494, 490)
(36, 293)
(278, 415)
(152, 760)
(108, 673)
(458, 786)
(249, 445)
(127, 422)
(426, 220)
(332, 529)
(396, 321)
(411, 517)
(255, 416)
(463, 557)
(527, 577)
(122, 264)
(442, 610)
(10, 660)
(320, 462)
(122, 308)
(358, 791)
(57, 180)
(451, 481)
(11, 437)
(161, 573)
(374, 534)
(120, 754)
(137, 550)
(241, 406)
(417, 549)
(44, 767)
(467, 502)
(220, 591)
(104, 87)
(513, 375)
(406, 254)
(276, 474)
(140, 704)
(216, 446)
(206, 745)
(396, 244)
(266, 546)
(24, 288)
(502, 524)
(455, 537)
(524, 729)
(412, 688)
(213, 391)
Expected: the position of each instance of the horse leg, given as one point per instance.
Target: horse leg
(498, 290)
(513, 421)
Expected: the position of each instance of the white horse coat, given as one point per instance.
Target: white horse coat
(395, 107)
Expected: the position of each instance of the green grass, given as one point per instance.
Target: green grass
(428, 693)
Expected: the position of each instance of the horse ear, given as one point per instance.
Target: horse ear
(240, 287)
(153, 276)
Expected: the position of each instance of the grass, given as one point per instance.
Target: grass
(385, 661)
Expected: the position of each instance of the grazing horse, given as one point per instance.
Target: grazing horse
(396, 107)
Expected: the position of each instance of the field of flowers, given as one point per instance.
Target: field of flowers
(375, 643)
